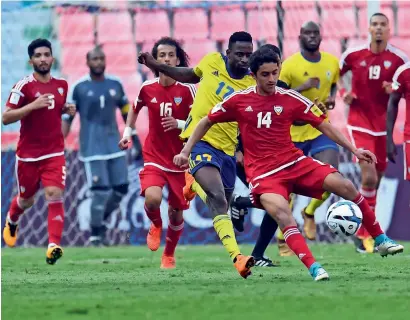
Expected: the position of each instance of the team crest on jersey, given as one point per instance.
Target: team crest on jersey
(387, 64)
(60, 91)
(177, 100)
(363, 63)
(278, 109)
(328, 74)
(112, 92)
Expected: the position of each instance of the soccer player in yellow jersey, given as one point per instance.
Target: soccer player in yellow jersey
(212, 161)
(314, 74)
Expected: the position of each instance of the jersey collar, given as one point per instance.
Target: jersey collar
(225, 59)
(310, 60)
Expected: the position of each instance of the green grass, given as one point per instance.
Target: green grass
(126, 283)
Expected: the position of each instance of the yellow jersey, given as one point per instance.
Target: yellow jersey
(296, 70)
(216, 84)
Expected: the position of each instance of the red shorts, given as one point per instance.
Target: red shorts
(51, 172)
(151, 176)
(375, 144)
(305, 177)
(406, 153)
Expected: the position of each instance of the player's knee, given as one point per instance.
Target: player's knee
(175, 216)
(347, 189)
(121, 189)
(217, 201)
(369, 179)
(53, 193)
(25, 203)
(283, 216)
(153, 201)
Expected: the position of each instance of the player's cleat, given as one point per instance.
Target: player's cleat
(359, 245)
(284, 250)
(265, 262)
(154, 237)
(167, 262)
(365, 245)
(388, 246)
(10, 233)
(95, 241)
(309, 225)
(237, 214)
(318, 273)
(244, 264)
(53, 254)
(189, 194)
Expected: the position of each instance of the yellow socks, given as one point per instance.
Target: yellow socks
(279, 235)
(315, 203)
(224, 228)
(199, 191)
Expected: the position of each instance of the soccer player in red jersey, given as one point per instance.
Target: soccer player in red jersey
(38, 101)
(400, 87)
(168, 103)
(274, 166)
(372, 66)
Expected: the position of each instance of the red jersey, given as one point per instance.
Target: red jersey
(172, 101)
(401, 84)
(40, 133)
(369, 111)
(264, 123)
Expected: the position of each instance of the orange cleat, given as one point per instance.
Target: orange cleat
(10, 233)
(167, 262)
(189, 194)
(154, 237)
(53, 254)
(244, 264)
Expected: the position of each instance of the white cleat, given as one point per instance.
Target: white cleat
(321, 275)
(389, 247)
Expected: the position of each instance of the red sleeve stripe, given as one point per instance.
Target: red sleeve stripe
(397, 52)
(349, 51)
(295, 95)
(145, 83)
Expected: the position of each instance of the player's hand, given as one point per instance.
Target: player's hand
(169, 123)
(311, 83)
(365, 155)
(181, 160)
(147, 59)
(124, 143)
(70, 109)
(387, 86)
(348, 98)
(330, 103)
(320, 105)
(239, 157)
(391, 151)
(43, 101)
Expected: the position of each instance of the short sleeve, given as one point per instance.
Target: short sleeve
(200, 68)
(17, 95)
(336, 73)
(123, 97)
(224, 111)
(307, 111)
(286, 73)
(72, 96)
(398, 80)
(345, 62)
(139, 102)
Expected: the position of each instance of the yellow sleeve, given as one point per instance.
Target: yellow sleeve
(202, 65)
(286, 73)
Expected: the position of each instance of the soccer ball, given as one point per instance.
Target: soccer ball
(344, 218)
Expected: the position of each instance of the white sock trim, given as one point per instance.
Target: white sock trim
(176, 228)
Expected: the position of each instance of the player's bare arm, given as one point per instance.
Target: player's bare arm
(333, 133)
(201, 129)
(186, 75)
(331, 100)
(69, 108)
(13, 115)
(310, 83)
(347, 95)
(392, 111)
(170, 123)
(130, 123)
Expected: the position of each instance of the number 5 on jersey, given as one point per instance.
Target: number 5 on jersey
(166, 109)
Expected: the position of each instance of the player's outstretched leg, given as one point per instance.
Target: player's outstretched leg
(17, 207)
(54, 198)
(278, 207)
(344, 188)
(209, 178)
(175, 229)
(153, 198)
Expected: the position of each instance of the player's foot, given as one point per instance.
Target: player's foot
(54, 253)
(318, 273)
(284, 250)
(244, 264)
(95, 241)
(167, 262)
(237, 214)
(154, 237)
(189, 194)
(10, 232)
(309, 226)
(265, 262)
(387, 246)
(365, 245)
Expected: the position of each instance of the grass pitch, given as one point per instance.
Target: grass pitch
(126, 283)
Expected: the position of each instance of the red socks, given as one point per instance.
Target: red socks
(55, 221)
(370, 195)
(154, 216)
(172, 238)
(369, 217)
(298, 245)
(15, 211)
